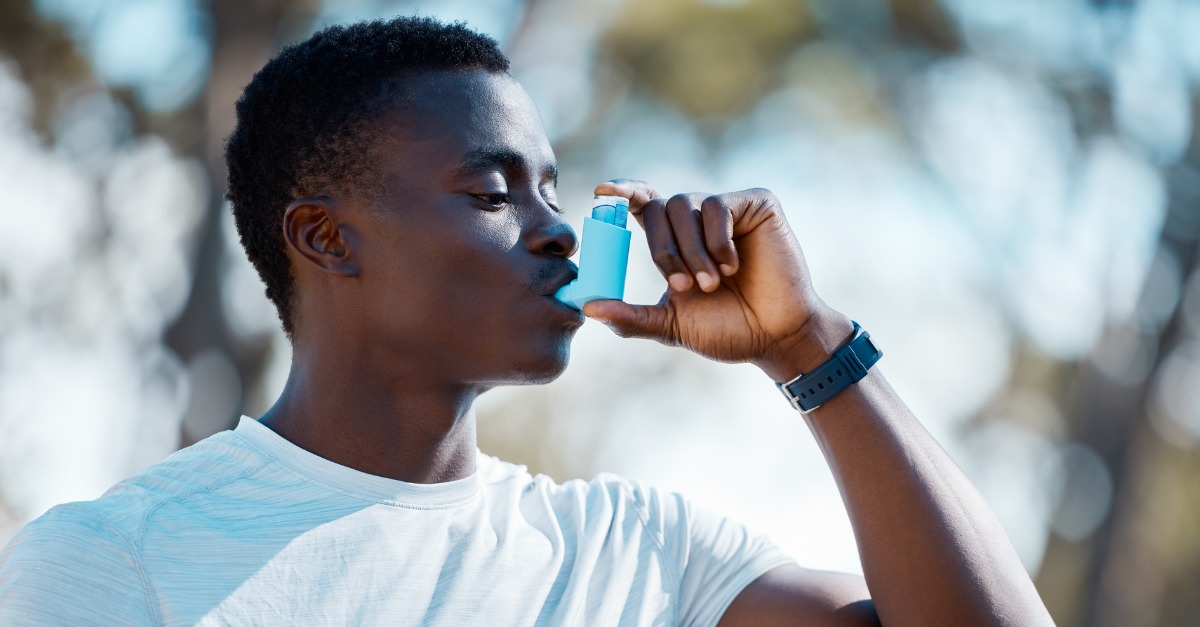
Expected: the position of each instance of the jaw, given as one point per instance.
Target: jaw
(533, 367)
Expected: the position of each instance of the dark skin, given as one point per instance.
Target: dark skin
(414, 300)
(412, 304)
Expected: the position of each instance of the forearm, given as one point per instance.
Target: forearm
(932, 551)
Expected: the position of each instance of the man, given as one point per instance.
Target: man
(394, 188)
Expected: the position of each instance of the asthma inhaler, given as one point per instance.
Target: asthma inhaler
(603, 254)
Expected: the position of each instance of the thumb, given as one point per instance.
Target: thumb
(645, 321)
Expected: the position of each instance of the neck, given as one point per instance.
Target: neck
(403, 426)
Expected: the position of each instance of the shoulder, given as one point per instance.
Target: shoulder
(494, 471)
(125, 507)
(71, 553)
(91, 551)
(604, 499)
(62, 532)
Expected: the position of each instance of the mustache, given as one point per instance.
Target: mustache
(550, 276)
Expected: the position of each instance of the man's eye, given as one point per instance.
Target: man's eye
(551, 199)
(496, 200)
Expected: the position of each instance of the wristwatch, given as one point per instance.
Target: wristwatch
(848, 366)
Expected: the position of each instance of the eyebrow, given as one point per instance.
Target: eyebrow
(487, 159)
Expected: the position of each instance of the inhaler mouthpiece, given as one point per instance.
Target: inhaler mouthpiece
(603, 254)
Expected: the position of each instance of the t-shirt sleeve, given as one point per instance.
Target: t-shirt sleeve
(714, 557)
(70, 568)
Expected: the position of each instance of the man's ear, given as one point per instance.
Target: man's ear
(311, 228)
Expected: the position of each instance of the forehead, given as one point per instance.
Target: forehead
(447, 118)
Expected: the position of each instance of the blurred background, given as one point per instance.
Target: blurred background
(1006, 194)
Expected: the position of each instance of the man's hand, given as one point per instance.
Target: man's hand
(738, 289)
(932, 552)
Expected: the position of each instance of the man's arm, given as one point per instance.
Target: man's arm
(932, 551)
(790, 595)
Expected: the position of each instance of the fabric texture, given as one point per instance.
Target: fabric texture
(245, 528)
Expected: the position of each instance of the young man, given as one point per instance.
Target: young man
(394, 188)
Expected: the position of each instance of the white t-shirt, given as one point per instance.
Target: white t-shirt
(245, 528)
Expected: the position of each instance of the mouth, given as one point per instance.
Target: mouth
(566, 310)
(565, 274)
(569, 273)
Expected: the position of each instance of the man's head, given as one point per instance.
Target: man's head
(391, 183)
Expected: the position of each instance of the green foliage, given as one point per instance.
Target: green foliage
(712, 61)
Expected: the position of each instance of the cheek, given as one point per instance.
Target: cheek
(446, 277)
(478, 266)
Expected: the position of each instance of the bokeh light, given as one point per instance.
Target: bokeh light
(1007, 194)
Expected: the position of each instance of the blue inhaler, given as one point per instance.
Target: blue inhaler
(603, 254)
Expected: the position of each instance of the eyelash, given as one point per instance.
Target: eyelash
(500, 201)
(551, 198)
(496, 200)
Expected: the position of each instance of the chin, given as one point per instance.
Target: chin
(545, 371)
(540, 368)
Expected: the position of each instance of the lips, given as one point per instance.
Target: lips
(565, 275)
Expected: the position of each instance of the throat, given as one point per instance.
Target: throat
(416, 440)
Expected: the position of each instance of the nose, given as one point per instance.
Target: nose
(555, 237)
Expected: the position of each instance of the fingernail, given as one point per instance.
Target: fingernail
(679, 282)
(705, 280)
(726, 269)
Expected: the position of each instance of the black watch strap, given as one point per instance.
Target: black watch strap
(848, 366)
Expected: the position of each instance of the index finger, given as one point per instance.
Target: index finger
(638, 192)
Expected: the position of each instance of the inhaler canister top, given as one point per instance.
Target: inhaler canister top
(612, 210)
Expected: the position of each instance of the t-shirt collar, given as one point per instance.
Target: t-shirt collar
(354, 482)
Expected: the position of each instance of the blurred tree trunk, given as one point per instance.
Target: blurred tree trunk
(1127, 585)
(245, 35)
(1119, 577)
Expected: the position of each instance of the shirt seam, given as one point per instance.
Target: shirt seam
(208, 487)
(134, 553)
(643, 514)
(747, 575)
(322, 485)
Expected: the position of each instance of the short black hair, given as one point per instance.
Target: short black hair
(305, 121)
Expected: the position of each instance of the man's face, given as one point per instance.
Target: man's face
(461, 255)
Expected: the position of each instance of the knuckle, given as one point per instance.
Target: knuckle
(682, 213)
(679, 201)
(720, 247)
(715, 202)
(765, 194)
(665, 258)
(645, 324)
(654, 205)
(643, 191)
